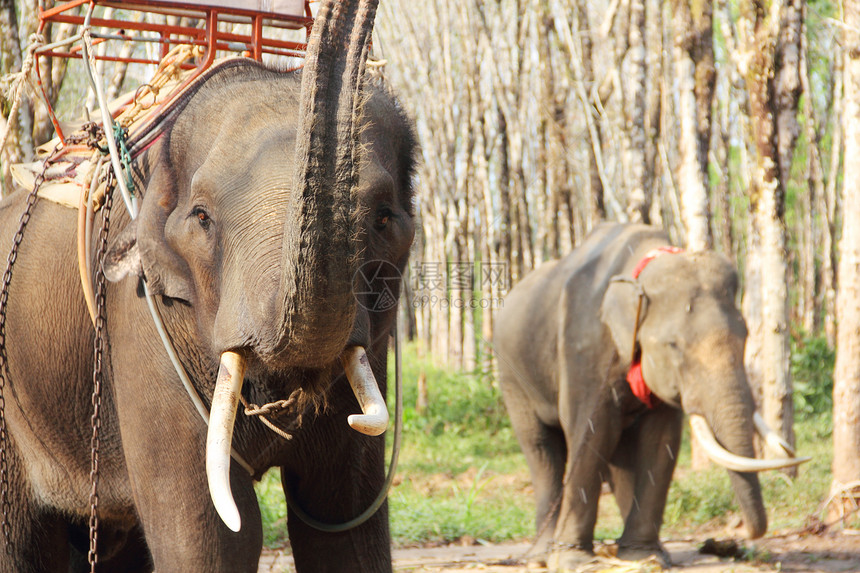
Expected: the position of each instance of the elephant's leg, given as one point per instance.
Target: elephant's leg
(333, 482)
(164, 442)
(642, 468)
(183, 531)
(545, 452)
(592, 435)
(120, 550)
(38, 540)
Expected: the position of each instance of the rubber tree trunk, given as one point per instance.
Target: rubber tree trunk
(767, 206)
(846, 376)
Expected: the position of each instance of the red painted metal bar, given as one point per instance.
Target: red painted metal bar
(173, 7)
(181, 8)
(270, 42)
(51, 12)
(129, 60)
(51, 114)
(211, 32)
(256, 43)
(258, 38)
(127, 25)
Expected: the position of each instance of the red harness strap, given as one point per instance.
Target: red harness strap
(634, 376)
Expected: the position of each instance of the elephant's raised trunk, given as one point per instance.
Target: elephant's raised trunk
(319, 256)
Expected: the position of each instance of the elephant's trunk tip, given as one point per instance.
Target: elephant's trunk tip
(756, 530)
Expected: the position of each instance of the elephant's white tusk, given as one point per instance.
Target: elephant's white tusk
(719, 455)
(219, 439)
(374, 420)
(771, 438)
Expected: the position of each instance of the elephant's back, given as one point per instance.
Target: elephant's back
(583, 274)
(525, 335)
(555, 310)
(46, 262)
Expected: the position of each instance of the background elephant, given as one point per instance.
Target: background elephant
(564, 342)
(259, 208)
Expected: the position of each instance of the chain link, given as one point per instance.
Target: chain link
(4, 363)
(98, 378)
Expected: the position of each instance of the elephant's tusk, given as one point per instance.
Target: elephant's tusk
(374, 420)
(719, 455)
(219, 439)
(771, 438)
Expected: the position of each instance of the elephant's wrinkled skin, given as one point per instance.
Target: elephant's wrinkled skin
(564, 344)
(217, 204)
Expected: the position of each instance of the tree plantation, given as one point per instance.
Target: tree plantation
(731, 124)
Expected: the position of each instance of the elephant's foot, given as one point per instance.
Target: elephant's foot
(538, 555)
(568, 558)
(643, 552)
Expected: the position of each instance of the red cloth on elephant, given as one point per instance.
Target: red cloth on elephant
(653, 254)
(638, 386)
(635, 379)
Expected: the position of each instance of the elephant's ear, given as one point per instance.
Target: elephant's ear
(123, 256)
(143, 249)
(618, 313)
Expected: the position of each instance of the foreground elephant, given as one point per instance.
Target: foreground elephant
(564, 344)
(251, 231)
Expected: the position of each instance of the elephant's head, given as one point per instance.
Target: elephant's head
(262, 203)
(690, 340)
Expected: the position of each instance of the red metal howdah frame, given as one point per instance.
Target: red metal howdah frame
(253, 45)
(210, 37)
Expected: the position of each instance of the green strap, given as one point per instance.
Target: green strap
(121, 136)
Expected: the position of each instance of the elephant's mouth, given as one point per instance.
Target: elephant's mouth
(373, 421)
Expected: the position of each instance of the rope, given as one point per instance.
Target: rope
(272, 408)
(107, 121)
(168, 70)
(16, 81)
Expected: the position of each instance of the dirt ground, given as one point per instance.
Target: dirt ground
(828, 553)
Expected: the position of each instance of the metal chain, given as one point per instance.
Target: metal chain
(98, 377)
(4, 363)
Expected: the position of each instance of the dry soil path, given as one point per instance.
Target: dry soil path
(812, 554)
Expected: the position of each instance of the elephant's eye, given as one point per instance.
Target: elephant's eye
(202, 216)
(383, 214)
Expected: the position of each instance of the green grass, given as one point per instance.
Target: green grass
(461, 473)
